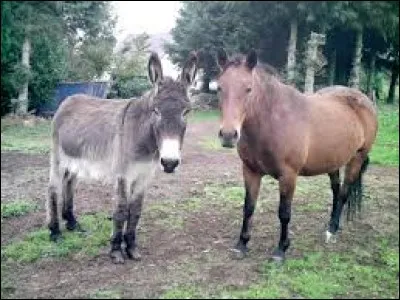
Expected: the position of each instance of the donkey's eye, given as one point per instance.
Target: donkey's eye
(248, 90)
(185, 112)
(156, 111)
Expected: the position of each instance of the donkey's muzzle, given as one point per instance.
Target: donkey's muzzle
(169, 165)
(228, 138)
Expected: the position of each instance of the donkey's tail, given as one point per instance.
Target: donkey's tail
(354, 200)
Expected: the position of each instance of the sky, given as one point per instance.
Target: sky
(145, 16)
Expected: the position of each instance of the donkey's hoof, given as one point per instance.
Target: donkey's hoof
(330, 237)
(117, 257)
(75, 227)
(133, 254)
(56, 237)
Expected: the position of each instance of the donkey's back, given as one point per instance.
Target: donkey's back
(84, 135)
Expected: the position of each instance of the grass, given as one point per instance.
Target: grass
(385, 151)
(18, 208)
(16, 136)
(106, 294)
(36, 245)
(201, 116)
(318, 275)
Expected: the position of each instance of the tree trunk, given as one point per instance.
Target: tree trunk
(371, 73)
(291, 62)
(311, 60)
(22, 107)
(206, 84)
(332, 68)
(393, 81)
(355, 72)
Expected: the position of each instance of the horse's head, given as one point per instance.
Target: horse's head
(170, 106)
(235, 86)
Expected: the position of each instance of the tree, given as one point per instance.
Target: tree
(129, 72)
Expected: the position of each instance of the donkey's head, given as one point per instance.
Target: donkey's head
(169, 109)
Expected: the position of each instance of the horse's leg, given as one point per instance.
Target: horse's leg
(353, 172)
(252, 187)
(68, 189)
(119, 217)
(335, 186)
(52, 203)
(134, 211)
(287, 185)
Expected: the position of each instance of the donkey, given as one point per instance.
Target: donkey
(284, 133)
(119, 142)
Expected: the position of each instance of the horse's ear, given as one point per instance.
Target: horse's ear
(189, 69)
(251, 59)
(155, 68)
(222, 58)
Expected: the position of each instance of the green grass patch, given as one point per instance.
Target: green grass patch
(385, 150)
(223, 194)
(200, 116)
(18, 208)
(213, 143)
(15, 136)
(318, 275)
(106, 294)
(37, 245)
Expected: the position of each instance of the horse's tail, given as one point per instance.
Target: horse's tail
(354, 200)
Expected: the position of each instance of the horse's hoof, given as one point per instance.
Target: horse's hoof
(116, 257)
(330, 237)
(239, 252)
(278, 256)
(133, 254)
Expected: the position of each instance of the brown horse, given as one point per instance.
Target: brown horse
(284, 133)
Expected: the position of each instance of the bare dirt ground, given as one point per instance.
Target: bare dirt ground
(196, 252)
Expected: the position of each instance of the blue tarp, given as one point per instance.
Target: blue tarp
(65, 89)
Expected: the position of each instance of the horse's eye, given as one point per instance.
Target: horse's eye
(248, 90)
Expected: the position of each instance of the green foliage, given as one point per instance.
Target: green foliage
(130, 71)
(17, 136)
(17, 208)
(37, 244)
(385, 151)
(56, 30)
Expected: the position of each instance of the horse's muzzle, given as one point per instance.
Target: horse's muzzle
(169, 165)
(228, 138)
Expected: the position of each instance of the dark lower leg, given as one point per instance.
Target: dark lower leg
(252, 186)
(68, 202)
(135, 209)
(52, 211)
(120, 215)
(335, 186)
(338, 208)
(286, 190)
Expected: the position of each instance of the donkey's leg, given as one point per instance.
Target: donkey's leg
(119, 217)
(287, 185)
(53, 200)
(135, 209)
(68, 190)
(352, 174)
(252, 187)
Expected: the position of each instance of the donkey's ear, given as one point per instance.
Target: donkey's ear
(251, 59)
(222, 58)
(154, 68)
(189, 69)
